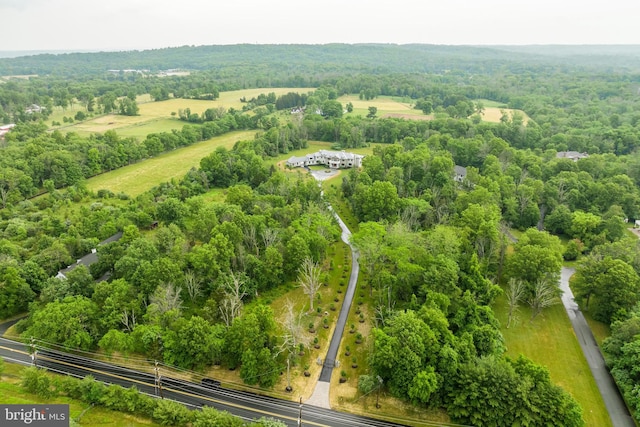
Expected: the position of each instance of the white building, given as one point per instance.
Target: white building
(571, 155)
(4, 129)
(333, 159)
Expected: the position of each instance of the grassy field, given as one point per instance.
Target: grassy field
(12, 393)
(157, 116)
(387, 107)
(550, 341)
(493, 111)
(137, 178)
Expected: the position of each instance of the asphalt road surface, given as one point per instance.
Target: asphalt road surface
(332, 353)
(246, 405)
(618, 411)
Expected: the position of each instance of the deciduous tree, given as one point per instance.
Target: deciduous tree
(309, 279)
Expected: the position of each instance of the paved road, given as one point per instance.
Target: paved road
(332, 353)
(246, 405)
(618, 411)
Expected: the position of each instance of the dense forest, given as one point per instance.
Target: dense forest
(435, 251)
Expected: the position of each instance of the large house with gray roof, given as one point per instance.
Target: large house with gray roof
(332, 159)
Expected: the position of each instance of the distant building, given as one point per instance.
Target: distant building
(34, 108)
(4, 129)
(571, 155)
(459, 173)
(333, 159)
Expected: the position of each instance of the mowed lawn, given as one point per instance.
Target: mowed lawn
(137, 178)
(550, 341)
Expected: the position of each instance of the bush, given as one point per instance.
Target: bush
(210, 417)
(69, 386)
(91, 390)
(170, 413)
(572, 250)
(37, 381)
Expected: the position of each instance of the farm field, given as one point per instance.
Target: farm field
(493, 111)
(387, 107)
(137, 178)
(156, 116)
(550, 341)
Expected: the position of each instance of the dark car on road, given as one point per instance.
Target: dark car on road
(210, 382)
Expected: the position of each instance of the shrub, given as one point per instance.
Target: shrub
(170, 413)
(91, 390)
(37, 381)
(572, 250)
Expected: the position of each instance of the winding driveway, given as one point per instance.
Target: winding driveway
(320, 396)
(616, 407)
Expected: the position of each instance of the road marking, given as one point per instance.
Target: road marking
(220, 402)
(14, 350)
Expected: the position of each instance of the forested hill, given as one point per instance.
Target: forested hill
(326, 59)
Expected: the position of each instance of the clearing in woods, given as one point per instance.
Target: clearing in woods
(139, 177)
(157, 116)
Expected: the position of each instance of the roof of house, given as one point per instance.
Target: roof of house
(294, 159)
(340, 155)
(460, 170)
(92, 257)
(571, 155)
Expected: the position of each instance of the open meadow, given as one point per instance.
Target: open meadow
(550, 341)
(493, 111)
(387, 107)
(139, 177)
(156, 116)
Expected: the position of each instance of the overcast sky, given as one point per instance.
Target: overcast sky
(143, 24)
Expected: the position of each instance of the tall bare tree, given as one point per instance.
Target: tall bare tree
(309, 278)
(270, 237)
(294, 329)
(165, 304)
(166, 297)
(515, 293)
(193, 283)
(294, 335)
(251, 239)
(231, 304)
(545, 294)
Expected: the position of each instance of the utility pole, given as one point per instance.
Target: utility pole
(34, 352)
(158, 382)
(300, 413)
(378, 393)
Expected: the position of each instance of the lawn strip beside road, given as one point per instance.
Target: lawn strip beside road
(550, 341)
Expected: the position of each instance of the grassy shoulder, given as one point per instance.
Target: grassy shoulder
(84, 414)
(550, 341)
